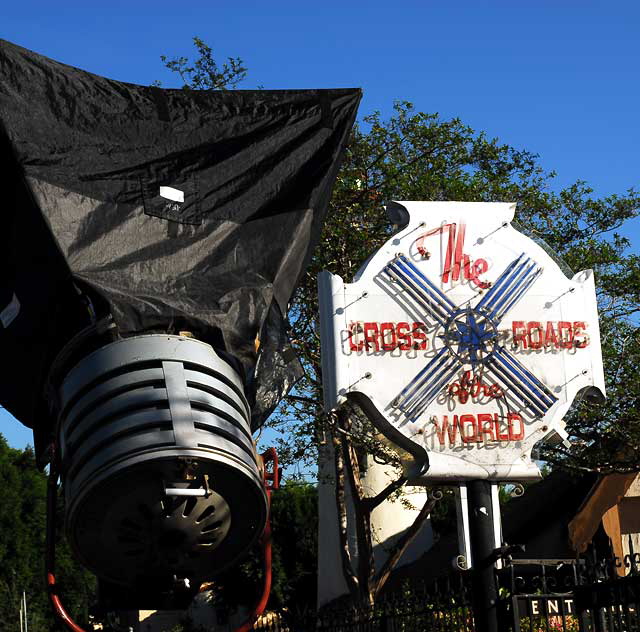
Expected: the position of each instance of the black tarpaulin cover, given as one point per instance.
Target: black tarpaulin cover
(174, 210)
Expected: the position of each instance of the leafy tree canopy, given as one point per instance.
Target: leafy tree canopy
(22, 535)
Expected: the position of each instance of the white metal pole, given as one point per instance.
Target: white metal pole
(24, 598)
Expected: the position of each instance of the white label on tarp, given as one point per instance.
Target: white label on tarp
(8, 314)
(169, 193)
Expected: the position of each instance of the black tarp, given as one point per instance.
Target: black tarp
(82, 160)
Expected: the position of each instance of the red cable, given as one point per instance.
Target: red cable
(274, 483)
(50, 555)
(58, 608)
(266, 588)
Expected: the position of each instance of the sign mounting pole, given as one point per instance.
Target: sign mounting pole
(482, 524)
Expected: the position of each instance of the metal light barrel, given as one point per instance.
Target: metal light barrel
(159, 468)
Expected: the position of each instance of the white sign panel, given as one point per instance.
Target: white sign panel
(463, 338)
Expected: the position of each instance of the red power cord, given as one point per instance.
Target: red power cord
(271, 482)
(50, 551)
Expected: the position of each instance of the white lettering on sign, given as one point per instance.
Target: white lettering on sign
(549, 606)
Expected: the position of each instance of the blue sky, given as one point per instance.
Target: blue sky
(560, 78)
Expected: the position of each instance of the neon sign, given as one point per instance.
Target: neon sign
(469, 351)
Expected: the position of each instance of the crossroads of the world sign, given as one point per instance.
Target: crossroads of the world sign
(463, 341)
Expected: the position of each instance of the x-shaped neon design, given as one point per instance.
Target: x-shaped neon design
(474, 331)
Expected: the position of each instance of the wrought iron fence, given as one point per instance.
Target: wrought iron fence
(535, 595)
(445, 606)
(609, 599)
(585, 595)
(538, 595)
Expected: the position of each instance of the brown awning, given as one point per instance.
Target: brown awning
(605, 494)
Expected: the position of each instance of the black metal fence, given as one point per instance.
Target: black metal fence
(609, 599)
(445, 606)
(559, 595)
(538, 595)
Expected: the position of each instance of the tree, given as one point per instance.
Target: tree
(205, 73)
(22, 530)
(417, 156)
(294, 520)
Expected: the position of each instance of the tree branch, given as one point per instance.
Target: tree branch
(373, 501)
(366, 564)
(304, 400)
(401, 546)
(341, 507)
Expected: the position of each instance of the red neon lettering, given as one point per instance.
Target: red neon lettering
(388, 343)
(535, 342)
(354, 344)
(496, 424)
(458, 389)
(468, 419)
(495, 391)
(371, 336)
(560, 335)
(451, 430)
(512, 419)
(485, 425)
(578, 331)
(419, 336)
(404, 340)
(480, 266)
(473, 387)
(550, 337)
(519, 333)
(455, 261)
(448, 260)
(455, 275)
(566, 342)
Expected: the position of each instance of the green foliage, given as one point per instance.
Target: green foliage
(22, 535)
(294, 520)
(205, 73)
(294, 512)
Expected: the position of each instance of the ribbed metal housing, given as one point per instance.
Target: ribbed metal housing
(144, 421)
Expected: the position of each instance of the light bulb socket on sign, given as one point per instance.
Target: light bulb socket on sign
(474, 341)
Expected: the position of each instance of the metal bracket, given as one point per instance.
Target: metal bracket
(181, 491)
(497, 520)
(464, 560)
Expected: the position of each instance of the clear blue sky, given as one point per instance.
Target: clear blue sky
(557, 77)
